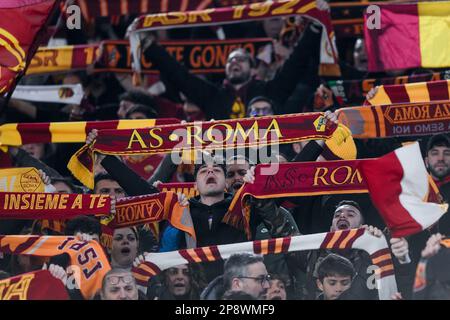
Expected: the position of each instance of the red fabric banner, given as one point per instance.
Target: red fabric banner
(21, 26)
(37, 285)
(18, 205)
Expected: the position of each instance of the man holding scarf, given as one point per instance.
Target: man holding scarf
(231, 99)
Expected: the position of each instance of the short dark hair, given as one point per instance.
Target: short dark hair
(438, 140)
(333, 265)
(281, 277)
(83, 224)
(68, 181)
(138, 97)
(236, 266)
(149, 112)
(207, 158)
(351, 203)
(102, 176)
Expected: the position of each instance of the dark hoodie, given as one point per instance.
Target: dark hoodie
(214, 291)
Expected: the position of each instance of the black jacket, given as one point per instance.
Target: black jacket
(217, 101)
(219, 232)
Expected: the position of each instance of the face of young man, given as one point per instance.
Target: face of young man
(346, 217)
(254, 283)
(110, 187)
(238, 68)
(333, 286)
(210, 180)
(120, 286)
(178, 280)
(277, 290)
(124, 248)
(438, 161)
(236, 171)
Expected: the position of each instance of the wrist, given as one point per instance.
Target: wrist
(404, 259)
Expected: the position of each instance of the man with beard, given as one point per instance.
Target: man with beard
(237, 167)
(244, 273)
(230, 99)
(437, 158)
(347, 215)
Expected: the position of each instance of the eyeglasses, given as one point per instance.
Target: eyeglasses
(238, 59)
(261, 112)
(114, 280)
(261, 279)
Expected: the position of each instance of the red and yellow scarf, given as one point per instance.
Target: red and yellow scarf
(227, 134)
(17, 134)
(412, 92)
(87, 259)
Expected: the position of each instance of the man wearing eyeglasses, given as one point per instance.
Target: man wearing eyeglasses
(260, 106)
(119, 284)
(243, 272)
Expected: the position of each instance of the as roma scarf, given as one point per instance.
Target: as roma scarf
(228, 134)
(292, 180)
(388, 181)
(130, 211)
(400, 120)
(70, 94)
(62, 59)
(87, 259)
(37, 285)
(18, 205)
(352, 92)
(239, 14)
(139, 210)
(377, 248)
(20, 180)
(92, 9)
(17, 134)
(412, 92)
(186, 188)
(199, 56)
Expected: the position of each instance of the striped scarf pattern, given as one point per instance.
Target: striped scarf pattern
(17, 134)
(377, 248)
(412, 93)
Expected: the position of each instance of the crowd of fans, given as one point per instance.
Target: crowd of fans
(250, 87)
